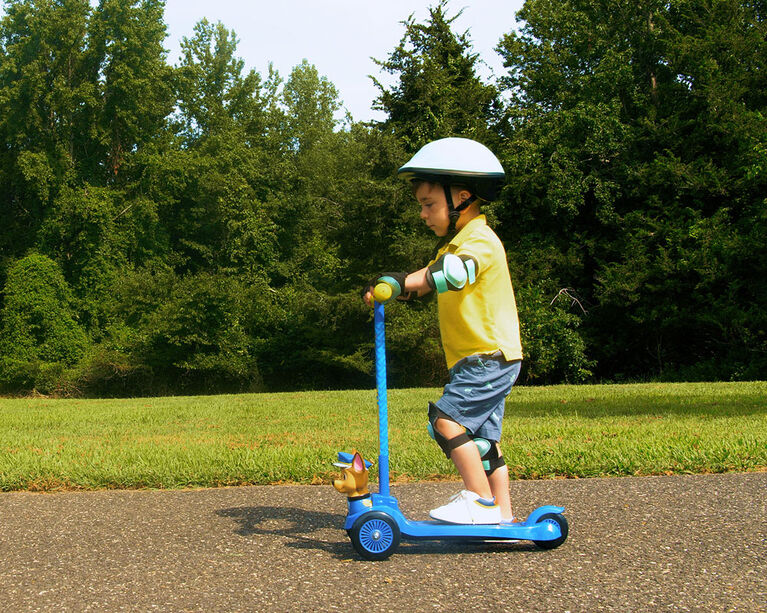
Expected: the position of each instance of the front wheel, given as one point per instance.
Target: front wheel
(559, 520)
(375, 535)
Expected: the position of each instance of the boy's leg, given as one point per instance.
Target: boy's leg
(466, 459)
(499, 485)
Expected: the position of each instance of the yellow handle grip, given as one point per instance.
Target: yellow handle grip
(382, 292)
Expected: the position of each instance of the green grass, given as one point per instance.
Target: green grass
(560, 431)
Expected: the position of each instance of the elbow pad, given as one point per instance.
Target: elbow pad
(452, 272)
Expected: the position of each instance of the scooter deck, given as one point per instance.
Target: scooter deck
(426, 530)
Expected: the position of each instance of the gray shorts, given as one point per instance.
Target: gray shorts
(476, 395)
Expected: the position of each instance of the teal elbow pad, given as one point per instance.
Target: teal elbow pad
(452, 272)
(471, 268)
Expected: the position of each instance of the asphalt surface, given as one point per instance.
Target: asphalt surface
(680, 543)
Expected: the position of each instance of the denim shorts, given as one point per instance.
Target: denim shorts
(476, 395)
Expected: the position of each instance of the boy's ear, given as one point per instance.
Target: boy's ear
(463, 195)
(472, 199)
(357, 464)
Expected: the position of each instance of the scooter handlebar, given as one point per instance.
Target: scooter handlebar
(382, 292)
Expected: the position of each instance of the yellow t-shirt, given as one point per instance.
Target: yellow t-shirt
(482, 317)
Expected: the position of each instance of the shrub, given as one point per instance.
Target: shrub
(188, 331)
(38, 319)
(554, 350)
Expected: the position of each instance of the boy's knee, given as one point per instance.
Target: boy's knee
(449, 428)
(446, 432)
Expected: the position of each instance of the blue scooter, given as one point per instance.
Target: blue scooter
(375, 523)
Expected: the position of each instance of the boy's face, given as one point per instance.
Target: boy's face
(431, 197)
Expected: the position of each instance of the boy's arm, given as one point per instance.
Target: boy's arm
(417, 282)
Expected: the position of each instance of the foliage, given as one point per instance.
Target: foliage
(554, 351)
(634, 154)
(201, 227)
(38, 325)
(438, 92)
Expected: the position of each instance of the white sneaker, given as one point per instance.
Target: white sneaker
(466, 508)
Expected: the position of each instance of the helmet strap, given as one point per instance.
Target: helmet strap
(454, 212)
(465, 204)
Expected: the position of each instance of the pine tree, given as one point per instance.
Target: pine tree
(437, 92)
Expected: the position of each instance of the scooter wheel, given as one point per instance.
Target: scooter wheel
(375, 535)
(561, 521)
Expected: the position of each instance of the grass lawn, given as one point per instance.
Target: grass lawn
(559, 431)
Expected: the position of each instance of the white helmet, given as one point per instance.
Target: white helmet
(457, 161)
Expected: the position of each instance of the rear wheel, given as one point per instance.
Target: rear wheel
(559, 520)
(375, 535)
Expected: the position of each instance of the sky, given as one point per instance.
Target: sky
(338, 37)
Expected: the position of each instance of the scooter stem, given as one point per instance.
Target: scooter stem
(383, 409)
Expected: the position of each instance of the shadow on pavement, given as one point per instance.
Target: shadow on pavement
(298, 525)
(304, 529)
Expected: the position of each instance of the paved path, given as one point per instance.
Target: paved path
(689, 543)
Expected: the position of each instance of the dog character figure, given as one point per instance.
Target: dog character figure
(354, 482)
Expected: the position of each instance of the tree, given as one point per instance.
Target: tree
(189, 330)
(312, 207)
(437, 91)
(47, 97)
(134, 79)
(311, 102)
(637, 130)
(213, 92)
(222, 214)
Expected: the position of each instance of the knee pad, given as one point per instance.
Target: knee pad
(492, 461)
(447, 445)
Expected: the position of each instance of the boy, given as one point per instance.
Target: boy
(477, 317)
